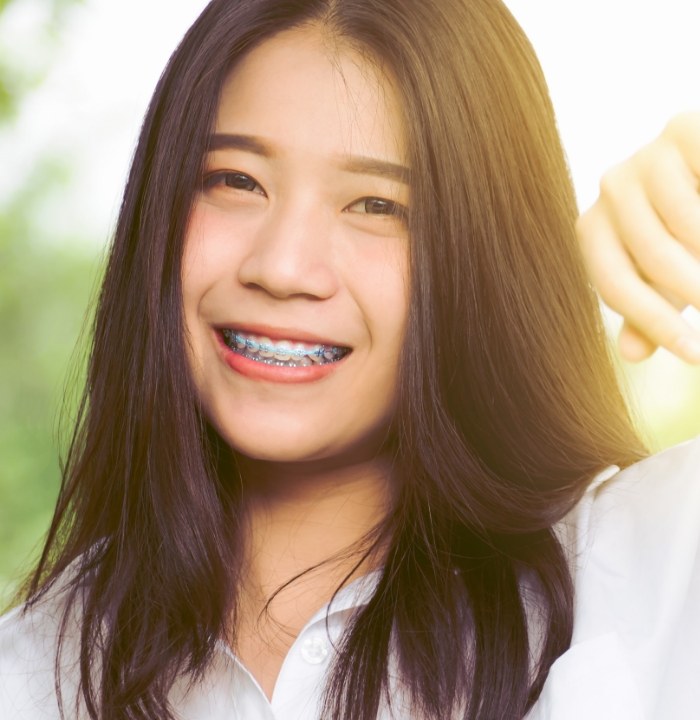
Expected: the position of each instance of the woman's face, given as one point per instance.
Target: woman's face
(295, 272)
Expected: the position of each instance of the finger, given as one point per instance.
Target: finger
(633, 345)
(657, 253)
(622, 288)
(662, 324)
(672, 188)
(684, 131)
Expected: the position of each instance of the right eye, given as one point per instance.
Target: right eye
(233, 180)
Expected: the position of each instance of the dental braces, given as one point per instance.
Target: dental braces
(327, 353)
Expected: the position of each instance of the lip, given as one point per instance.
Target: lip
(277, 333)
(261, 372)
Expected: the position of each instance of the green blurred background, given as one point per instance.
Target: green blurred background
(48, 277)
(45, 283)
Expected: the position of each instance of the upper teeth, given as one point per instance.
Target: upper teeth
(281, 350)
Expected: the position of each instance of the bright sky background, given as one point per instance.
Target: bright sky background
(617, 70)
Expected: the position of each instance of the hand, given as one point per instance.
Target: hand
(641, 242)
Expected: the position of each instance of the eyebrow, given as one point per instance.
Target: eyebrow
(356, 164)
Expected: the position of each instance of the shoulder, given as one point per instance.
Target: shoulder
(28, 652)
(658, 478)
(646, 519)
(637, 585)
(640, 527)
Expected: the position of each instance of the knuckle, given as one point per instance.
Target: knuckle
(611, 181)
(613, 288)
(682, 123)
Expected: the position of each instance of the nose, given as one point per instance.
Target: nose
(291, 254)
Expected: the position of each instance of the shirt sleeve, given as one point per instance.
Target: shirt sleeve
(635, 652)
(28, 645)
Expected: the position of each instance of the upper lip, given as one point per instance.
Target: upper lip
(278, 333)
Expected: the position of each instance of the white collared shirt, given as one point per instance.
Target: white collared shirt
(634, 541)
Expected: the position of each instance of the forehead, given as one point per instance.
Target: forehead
(317, 94)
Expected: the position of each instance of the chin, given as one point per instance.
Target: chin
(302, 445)
(276, 445)
(279, 452)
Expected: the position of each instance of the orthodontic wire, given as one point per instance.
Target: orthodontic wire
(252, 345)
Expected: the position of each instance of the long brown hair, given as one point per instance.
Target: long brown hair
(508, 401)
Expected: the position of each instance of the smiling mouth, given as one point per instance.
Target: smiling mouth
(283, 353)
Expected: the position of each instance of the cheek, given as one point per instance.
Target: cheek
(205, 249)
(382, 291)
(203, 266)
(393, 299)
(211, 258)
(194, 257)
(386, 295)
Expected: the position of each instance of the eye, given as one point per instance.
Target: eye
(378, 206)
(233, 180)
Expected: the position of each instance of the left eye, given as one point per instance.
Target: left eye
(378, 206)
(234, 180)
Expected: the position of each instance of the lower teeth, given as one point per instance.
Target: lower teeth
(297, 362)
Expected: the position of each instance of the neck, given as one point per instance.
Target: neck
(305, 516)
(297, 517)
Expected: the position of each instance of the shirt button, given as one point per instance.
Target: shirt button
(314, 649)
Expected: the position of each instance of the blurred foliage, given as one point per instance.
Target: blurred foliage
(16, 76)
(665, 393)
(44, 290)
(45, 285)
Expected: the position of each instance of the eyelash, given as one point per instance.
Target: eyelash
(213, 179)
(228, 178)
(391, 207)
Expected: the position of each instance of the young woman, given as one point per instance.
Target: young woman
(351, 435)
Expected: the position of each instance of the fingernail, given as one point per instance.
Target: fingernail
(689, 348)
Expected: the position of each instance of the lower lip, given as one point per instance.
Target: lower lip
(274, 373)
